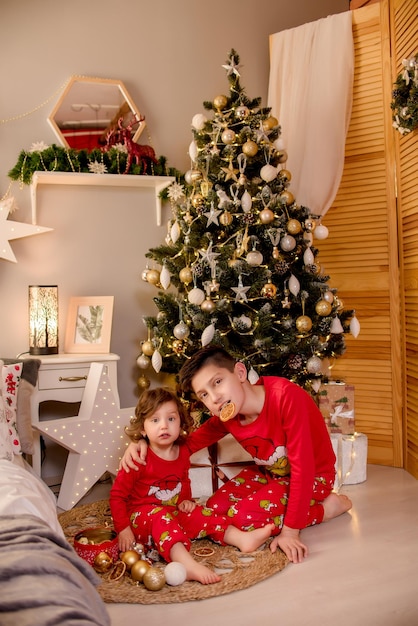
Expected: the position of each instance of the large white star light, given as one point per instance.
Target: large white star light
(14, 230)
(95, 438)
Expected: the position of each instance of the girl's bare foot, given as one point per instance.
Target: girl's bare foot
(194, 570)
(247, 541)
(334, 505)
(201, 573)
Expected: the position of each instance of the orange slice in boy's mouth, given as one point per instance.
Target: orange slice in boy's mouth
(227, 412)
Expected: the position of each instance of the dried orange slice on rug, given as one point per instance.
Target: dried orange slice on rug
(203, 551)
(118, 571)
(227, 412)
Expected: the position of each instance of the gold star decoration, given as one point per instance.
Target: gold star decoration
(230, 172)
(14, 230)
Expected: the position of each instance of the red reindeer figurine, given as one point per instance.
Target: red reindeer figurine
(142, 154)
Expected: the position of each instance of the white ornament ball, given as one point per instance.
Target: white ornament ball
(181, 330)
(175, 573)
(196, 296)
(254, 258)
(328, 296)
(199, 120)
(268, 173)
(288, 243)
(314, 365)
(143, 361)
(321, 232)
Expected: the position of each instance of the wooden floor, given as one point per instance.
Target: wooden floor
(362, 570)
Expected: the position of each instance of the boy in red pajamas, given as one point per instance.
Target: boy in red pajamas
(279, 424)
(153, 506)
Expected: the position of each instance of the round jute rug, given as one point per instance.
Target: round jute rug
(237, 570)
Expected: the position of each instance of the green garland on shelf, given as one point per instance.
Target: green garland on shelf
(405, 97)
(54, 158)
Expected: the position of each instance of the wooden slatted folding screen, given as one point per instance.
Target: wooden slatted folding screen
(361, 253)
(404, 37)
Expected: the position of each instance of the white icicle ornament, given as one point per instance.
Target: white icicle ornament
(175, 232)
(253, 376)
(208, 335)
(354, 327)
(165, 278)
(294, 285)
(156, 361)
(246, 202)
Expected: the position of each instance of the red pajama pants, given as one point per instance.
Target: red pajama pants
(161, 527)
(253, 499)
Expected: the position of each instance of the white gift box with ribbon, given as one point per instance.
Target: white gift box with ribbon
(351, 463)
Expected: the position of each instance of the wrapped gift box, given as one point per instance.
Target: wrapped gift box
(336, 403)
(215, 465)
(351, 463)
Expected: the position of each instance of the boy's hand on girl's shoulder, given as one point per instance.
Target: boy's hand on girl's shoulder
(289, 542)
(135, 453)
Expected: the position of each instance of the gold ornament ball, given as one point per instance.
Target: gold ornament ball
(154, 579)
(129, 558)
(303, 324)
(197, 200)
(220, 102)
(103, 562)
(270, 123)
(250, 148)
(143, 382)
(266, 216)
(286, 175)
(281, 156)
(242, 112)
(293, 226)
(310, 225)
(269, 290)
(208, 305)
(323, 307)
(287, 197)
(147, 348)
(228, 136)
(195, 176)
(186, 275)
(153, 277)
(226, 218)
(139, 569)
(178, 346)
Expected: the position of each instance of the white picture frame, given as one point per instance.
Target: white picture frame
(89, 325)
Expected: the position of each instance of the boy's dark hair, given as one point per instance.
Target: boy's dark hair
(210, 355)
(148, 403)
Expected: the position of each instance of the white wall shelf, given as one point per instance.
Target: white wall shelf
(158, 183)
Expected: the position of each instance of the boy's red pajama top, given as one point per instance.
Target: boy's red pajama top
(289, 438)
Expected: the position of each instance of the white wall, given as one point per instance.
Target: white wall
(169, 55)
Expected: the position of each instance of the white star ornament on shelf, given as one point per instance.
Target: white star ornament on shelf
(95, 438)
(14, 230)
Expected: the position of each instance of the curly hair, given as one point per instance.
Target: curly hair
(148, 403)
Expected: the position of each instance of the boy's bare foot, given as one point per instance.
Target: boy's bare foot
(248, 541)
(334, 505)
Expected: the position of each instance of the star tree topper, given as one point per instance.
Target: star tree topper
(95, 438)
(14, 230)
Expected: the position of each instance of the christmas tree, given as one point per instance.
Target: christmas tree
(239, 267)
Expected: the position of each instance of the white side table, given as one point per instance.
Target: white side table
(62, 377)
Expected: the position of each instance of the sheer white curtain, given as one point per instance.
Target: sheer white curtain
(310, 93)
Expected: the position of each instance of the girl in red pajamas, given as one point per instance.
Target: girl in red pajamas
(153, 506)
(279, 424)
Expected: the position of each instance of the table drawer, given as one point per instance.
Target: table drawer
(65, 378)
